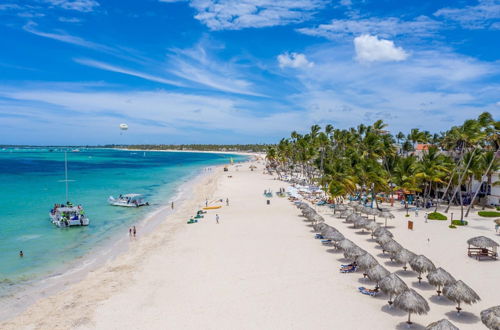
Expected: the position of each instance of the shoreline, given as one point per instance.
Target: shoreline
(26, 294)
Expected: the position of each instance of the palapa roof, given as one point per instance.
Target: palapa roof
(377, 272)
(341, 207)
(460, 292)
(491, 317)
(443, 324)
(371, 225)
(482, 242)
(335, 236)
(412, 302)
(346, 213)
(346, 244)
(352, 217)
(381, 230)
(366, 261)
(440, 277)
(359, 222)
(392, 246)
(386, 214)
(382, 239)
(421, 264)
(354, 253)
(404, 256)
(392, 284)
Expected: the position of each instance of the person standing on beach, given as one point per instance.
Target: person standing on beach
(426, 216)
(217, 218)
(206, 203)
(134, 231)
(130, 232)
(227, 201)
(172, 205)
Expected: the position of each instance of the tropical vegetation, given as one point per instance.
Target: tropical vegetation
(369, 162)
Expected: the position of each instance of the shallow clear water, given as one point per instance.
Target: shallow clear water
(30, 184)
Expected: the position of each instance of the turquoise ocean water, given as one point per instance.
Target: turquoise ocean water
(30, 184)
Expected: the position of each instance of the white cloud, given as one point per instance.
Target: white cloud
(63, 37)
(483, 15)
(385, 27)
(196, 65)
(77, 5)
(69, 19)
(372, 49)
(240, 14)
(117, 69)
(294, 60)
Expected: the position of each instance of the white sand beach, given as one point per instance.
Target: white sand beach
(260, 268)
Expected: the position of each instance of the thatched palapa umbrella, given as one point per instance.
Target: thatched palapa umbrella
(354, 253)
(346, 213)
(460, 292)
(352, 217)
(491, 318)
(335, 237)
(366, 261)
(411, 302)
(320, 226)
(386, 215)
(391, 246)
(371, 226)
(345, 244)
(421, 264)
(373, 212)
(382, 239)
(443, 324)
(381, 231)
(392, 285)
(439, 278)
(377, 273)
(404, 256)
(359, 222)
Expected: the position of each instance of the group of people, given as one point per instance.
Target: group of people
(132, 231)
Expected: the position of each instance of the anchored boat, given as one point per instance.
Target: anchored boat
(67, 215)
(128, 200)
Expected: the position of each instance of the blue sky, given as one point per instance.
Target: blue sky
(248, 71)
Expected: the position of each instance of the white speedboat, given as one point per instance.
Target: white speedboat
(128, 200)
(68, 215)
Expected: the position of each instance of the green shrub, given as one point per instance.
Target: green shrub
(452, 227)
(437, 216)
(498, 208)
(459, 223)
(489, 214)
(407, 215)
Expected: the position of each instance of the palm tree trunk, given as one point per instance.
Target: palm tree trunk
(480, 184)
(460, 178)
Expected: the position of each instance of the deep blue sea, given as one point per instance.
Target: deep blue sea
(31, 182)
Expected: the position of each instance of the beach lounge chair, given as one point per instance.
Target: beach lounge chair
(192, 221)
(369, 292)
(319, 236)
(326, 242)
(350, 269)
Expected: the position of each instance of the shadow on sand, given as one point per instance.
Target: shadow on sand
(423, 286)
(413, 326)
(406, 273)
(463, 317)
(334, 251)
(441, 300)
(393, 311)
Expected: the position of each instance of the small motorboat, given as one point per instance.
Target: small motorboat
(128, 200)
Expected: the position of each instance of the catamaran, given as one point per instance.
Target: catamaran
(67, 215)
(127, 200)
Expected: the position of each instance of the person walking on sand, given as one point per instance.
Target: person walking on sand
(172, 205)
(426, 216)
(416, 212)
(217, 218)
(134, 231)
(130, 232)
(227, 201)
(206, 203)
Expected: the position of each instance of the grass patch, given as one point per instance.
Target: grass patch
(407, 215)
(452, 227)
(498, 208)
(489, 214)
(459, 223)
(437, 216)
